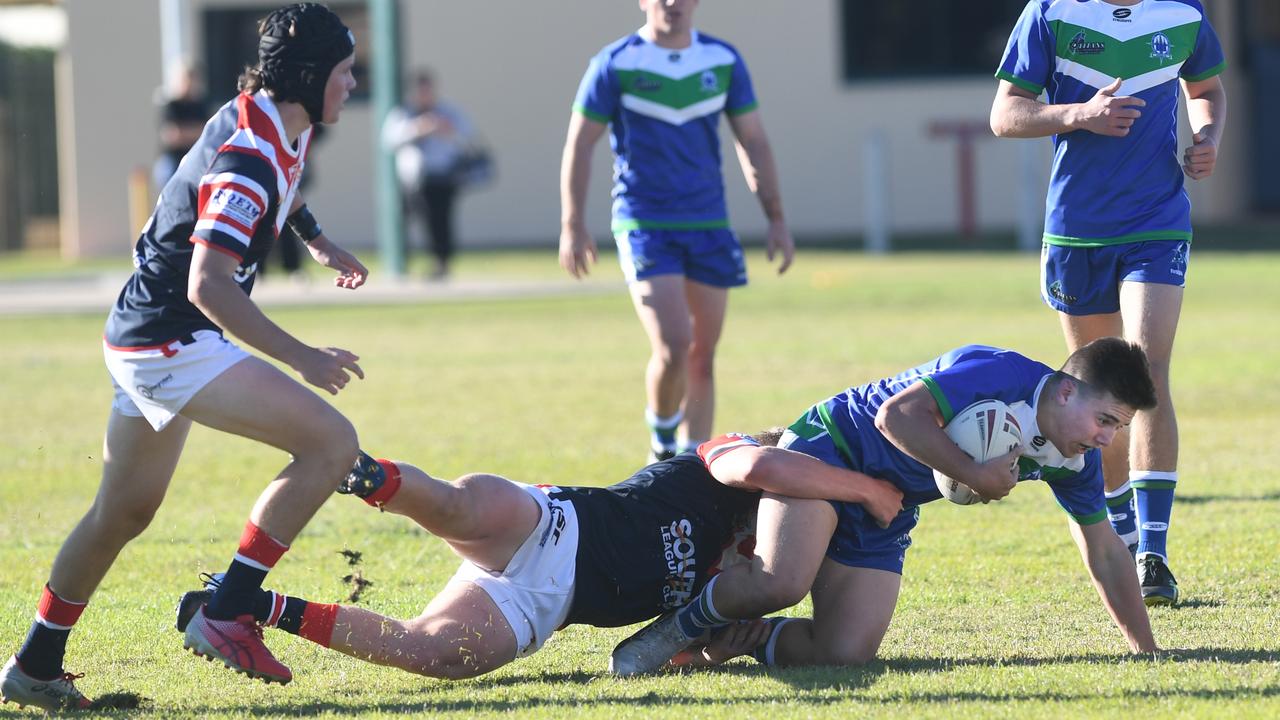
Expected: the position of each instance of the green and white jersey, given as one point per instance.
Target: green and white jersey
(663, 108)
(1112, 190)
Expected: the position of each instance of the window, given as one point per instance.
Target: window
(231, 43)
(885, 39)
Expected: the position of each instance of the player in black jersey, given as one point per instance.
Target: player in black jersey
(538, 558)
(171, 366)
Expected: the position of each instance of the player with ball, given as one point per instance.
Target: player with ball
(896, 429)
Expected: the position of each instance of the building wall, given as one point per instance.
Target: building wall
(515, 66)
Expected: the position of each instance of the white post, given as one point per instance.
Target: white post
(1030, 201)
(174, 45)
(875, 179)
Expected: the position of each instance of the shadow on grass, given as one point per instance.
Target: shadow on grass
(1206, 499)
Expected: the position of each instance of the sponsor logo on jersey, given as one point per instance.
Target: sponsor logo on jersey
(1080, 45)
(674, 57)
(710, 83)
(1161, 47)
(555, 527)
(149, 391)
(1055, 292)
(679, 551)
(234, 205)
(644, 83)
(1039, 441)
(1121, 15)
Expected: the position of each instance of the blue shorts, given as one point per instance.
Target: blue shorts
(858, 541)
(711, 257)
(1086, 280)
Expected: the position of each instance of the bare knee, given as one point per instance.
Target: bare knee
(673, 348)
(776, 591)
(120, 523)
(333, 446)
(702, 359)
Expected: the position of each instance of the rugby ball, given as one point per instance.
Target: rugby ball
(984, 430)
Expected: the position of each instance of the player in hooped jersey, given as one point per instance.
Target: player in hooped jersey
(535, 559)
(660, 92)
(1117, 237)
(892, 429)
(171, 366)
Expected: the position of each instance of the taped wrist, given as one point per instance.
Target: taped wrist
(304, 224)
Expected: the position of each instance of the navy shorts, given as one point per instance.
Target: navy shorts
(711, 257)
(858, 541)
(1086, 280)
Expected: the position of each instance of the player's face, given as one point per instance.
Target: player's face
(668, 17)
(338, 89)
(1090, 421)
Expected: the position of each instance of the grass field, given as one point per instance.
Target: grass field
(997, 617)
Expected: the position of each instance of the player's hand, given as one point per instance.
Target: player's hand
(1200, 158)
(740, 638)
(883, 501)
(998, 476)
(779, 243)
(351, 273)
(327, 368)
(577, 250)
(1107, 114)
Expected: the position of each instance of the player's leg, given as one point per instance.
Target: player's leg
(138, 463)
(484, 518)
(439, 198)
(663, 310)
(852, 608)
(1082, 284)
(1151, 313)
(707, 306)
(791, 538)
(255, 400)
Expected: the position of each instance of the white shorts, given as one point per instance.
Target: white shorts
(535, 591)
(157, 383)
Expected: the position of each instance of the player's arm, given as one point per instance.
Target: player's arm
(739, 462)
(351, 272)
(576, 244)
(212, 288)
(1207, 111)
(755, 154)
(1018, 113)
(912, 421)
(1111, 568)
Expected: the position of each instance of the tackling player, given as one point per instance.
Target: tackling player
(893, 429)
(535, 559)
(171, 365)
(1117, 237)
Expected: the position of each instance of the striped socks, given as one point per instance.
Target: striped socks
(700, 614)
(1122, 514)
(41, 654)
(1154, 496)
(257, 554)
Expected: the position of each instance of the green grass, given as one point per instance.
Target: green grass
(997, 617)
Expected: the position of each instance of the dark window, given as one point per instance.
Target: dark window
(886, 39)
(231, 43)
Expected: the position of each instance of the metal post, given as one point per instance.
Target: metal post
(875, 180)
(384, 61)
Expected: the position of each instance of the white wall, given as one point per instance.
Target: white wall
(515, 66)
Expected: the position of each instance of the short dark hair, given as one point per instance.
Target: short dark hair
(770, 437)
(1115, 366)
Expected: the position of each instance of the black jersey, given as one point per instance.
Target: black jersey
(231, 193)
(651, 543)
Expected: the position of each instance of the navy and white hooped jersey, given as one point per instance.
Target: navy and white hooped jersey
(650, 543)
(956, 380)
(231, 193)
(1111, 190)
(663, 108)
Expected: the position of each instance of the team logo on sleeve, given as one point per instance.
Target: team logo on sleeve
(235, 205)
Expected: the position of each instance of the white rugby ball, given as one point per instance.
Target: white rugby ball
(984, 430)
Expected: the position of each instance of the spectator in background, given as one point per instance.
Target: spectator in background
(183, 111)
(433, 144)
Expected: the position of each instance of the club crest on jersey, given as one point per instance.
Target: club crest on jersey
(710, 83)
(1161, 47)
(235, 205)
(1081, 45)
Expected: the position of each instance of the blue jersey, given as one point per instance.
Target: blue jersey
(1110, 190)
(663, 109)
(230, 193)
(956, 380)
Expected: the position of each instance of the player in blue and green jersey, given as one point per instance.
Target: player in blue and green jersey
(892, 429)
(661, 92)
(1118, 221)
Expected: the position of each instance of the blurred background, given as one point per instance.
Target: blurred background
(876, 110)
